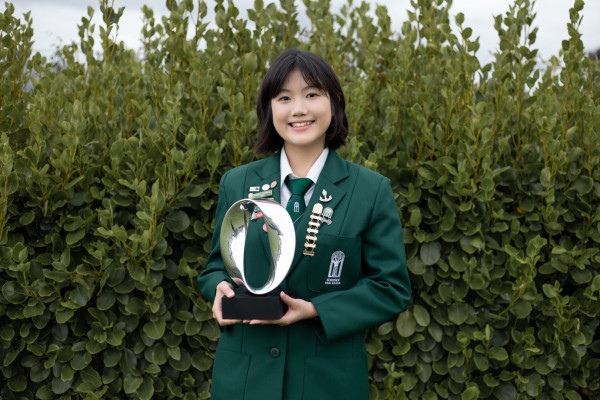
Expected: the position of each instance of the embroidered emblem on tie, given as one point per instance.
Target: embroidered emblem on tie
(296, 205)
(335, 268)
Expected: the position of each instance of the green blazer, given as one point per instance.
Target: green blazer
(324, 358)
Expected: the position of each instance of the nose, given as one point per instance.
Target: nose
(298, 107)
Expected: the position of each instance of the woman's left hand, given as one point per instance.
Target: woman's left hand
(298, 310)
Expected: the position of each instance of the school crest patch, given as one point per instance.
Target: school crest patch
(335, 268)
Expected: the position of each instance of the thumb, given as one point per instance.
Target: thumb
(285, 298)
(225, 288)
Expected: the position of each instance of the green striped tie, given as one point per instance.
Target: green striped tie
(296, 205)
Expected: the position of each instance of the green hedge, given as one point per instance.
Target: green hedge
(109, 171)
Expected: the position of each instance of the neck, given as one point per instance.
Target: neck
(301, 159)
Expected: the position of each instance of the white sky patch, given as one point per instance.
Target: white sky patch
(55, 21)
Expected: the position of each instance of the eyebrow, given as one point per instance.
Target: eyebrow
(308, 87)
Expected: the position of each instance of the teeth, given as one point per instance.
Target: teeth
(301, 124)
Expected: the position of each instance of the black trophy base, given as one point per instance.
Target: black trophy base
(246, 305)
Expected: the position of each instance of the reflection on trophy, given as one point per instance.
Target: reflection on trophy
(252, 302)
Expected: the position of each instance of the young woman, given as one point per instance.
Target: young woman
(357, 276)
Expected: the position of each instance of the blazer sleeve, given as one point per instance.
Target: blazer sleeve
(384, 290)
(214, 273)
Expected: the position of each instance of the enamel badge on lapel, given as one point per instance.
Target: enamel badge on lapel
(327, 214)
(260, 195)
(313, 230)
(262, 191)
(325, 197)
(256, 214)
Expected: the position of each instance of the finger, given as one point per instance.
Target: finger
(286, 299)
(216, 308)
(225, 322)
(226, 289)
(261, 321)
(265, 322)
(217, 315)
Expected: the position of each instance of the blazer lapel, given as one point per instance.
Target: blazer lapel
(334, 171)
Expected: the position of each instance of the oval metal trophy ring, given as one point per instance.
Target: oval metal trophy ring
(256, 302)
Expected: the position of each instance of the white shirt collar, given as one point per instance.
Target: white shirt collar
(313, 173)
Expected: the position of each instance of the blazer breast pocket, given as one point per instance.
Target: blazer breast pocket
(336, 264)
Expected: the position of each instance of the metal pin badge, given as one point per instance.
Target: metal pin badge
(261, 195)
(327, 214)
(325, 197)
(256, 214)
(254, 189)
(266, 186)
(317, 209)
(313, 230)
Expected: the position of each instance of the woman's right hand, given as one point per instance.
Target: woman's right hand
(223, 289)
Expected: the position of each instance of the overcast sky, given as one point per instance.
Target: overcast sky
(55, 21)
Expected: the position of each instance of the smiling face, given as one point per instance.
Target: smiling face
(301, 114)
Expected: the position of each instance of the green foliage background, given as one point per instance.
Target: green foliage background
(109, 170)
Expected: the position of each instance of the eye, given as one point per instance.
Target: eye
(313, 94)
(283, 98)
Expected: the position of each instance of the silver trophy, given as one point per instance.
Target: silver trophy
(256, 302)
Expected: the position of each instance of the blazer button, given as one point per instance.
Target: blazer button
(274, 352)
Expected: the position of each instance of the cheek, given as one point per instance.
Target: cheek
(277, 119)
(277, 112)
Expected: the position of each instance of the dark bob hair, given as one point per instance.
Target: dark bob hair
(316, 73)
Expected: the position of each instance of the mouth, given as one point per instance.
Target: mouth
(300, 124)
